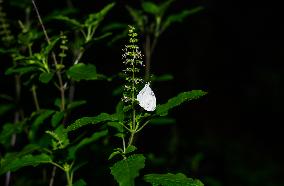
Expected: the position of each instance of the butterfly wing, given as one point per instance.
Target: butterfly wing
(146, 98)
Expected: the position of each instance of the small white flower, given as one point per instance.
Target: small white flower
(146, 98)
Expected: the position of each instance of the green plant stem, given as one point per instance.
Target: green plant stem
(69, 178)
(58, 73)
(130, 141)
(35, 98)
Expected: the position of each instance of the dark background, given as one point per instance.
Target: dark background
(232, 50)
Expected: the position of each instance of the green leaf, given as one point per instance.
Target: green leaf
(164, 6)
(60, 138)
(113, 154)
(56, 118)
(162, 110)
(80, 182)
(137, 16)
(162, 121)
(125, 171)
(20, 70)
(75, 104)
(91, 120)
(82, 71)
(130, 149)
(71, 22)
(96, 136)
(150, 7)
(95, 18)
(13, 162)
(8, 130)
(46, 50)
(170, 179)
(164, 77)
(43, 115)
(6, 108)
(179, 17)
(45, 77)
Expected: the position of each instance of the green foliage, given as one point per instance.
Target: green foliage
(125, 171)
(45, 77)
(162, 121)
(179, 17)
(82, 71)
(170, 179)
(80, 182)
(4, 108)
(56, 118)
(60, 138)
(162, 110)
(75, 104)
(39, 119)
(103, 117)
(8, 130)
(14, 161)
(57, 61)
(73, 149)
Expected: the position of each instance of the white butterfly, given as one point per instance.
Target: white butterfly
(146, 98)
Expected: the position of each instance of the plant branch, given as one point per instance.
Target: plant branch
(61, 85)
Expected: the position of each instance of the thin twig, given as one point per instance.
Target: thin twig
(52, 176)
(61, 85)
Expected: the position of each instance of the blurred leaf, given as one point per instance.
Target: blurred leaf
(103, 36)
(162, 121)
(82, 71)
(42, 116)
(8, 130)
(95, 18)
(113, 154)
(125, 171)
(75, 104)
(195, 161)
(71, 22)
(20, 70)
(137, 16)
(119, 111)
(56, 118)
(164, 6)
(150, 7)
(96, 136)
(46, 50)
(6, 97)
(164, 77)
(114, 26)
(91, 120)
(45, 77)
(4, 108)
(61, 12)
(60, 138)
(162, 110)
(116, 125)
(12, 162)
(179, 17)
(171, 180)
(80, 182)
(117, 91)
(130, 149)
